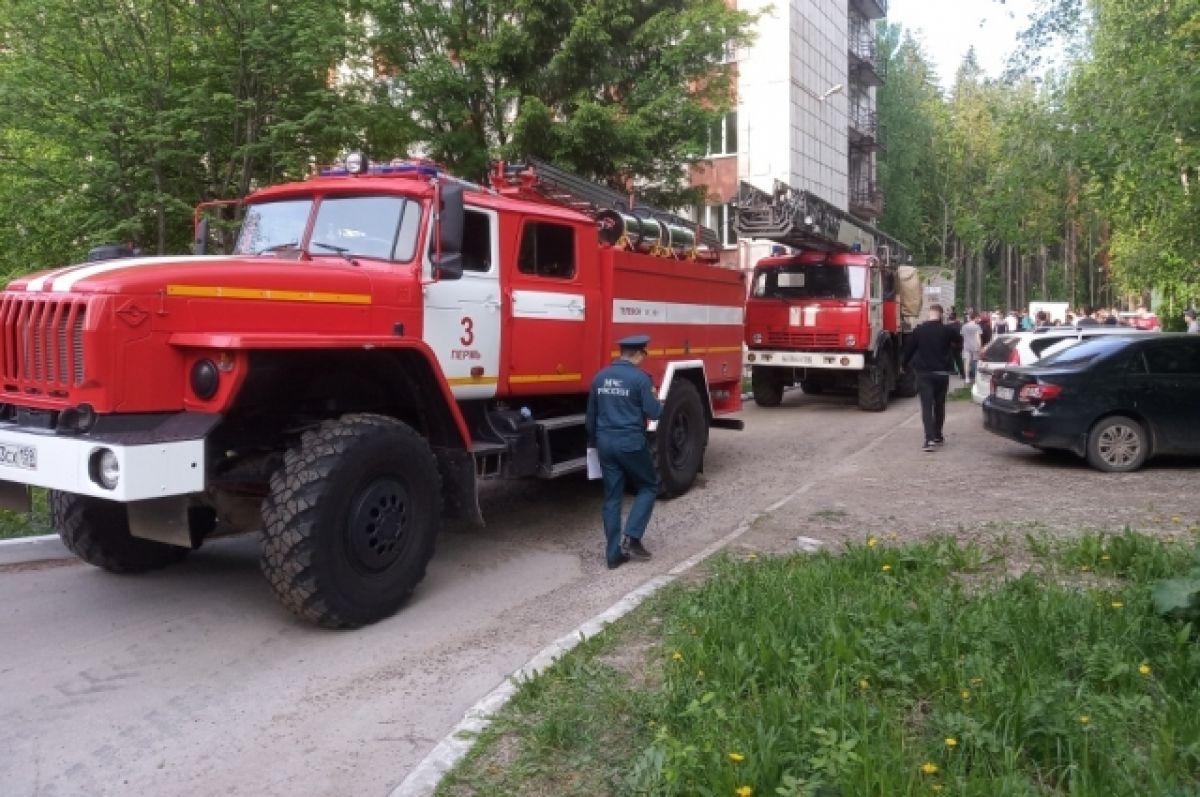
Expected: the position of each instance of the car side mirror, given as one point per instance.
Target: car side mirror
(448, 262)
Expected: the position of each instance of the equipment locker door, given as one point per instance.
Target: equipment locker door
(462, 316)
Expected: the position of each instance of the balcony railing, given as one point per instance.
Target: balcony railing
(864, 127)
(871, 9)
(866, 199)
(867, 66)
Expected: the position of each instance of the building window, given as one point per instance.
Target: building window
(719, 218)
(722, 137)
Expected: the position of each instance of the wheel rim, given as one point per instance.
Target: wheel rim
(679, 444)
(1119, 445)
(377, 528)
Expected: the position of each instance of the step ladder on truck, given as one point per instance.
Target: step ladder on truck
(831, 308)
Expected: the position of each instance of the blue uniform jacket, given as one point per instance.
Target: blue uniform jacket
(619, 404)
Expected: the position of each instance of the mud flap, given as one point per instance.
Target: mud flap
(162, 520)
(460, 498)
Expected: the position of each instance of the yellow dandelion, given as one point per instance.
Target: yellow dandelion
(1105, 558)
(1084, 719)
(1117, 605)
(872, 542)
(744, 791)
(1085, 569)
(887, 568)
(677, 656)
(1176, 519)
(929, 768)
(965, 695)
(752, 557)
(737, 758)
(951, 742)
(699, 673)
(1144, 669)
(864, 684)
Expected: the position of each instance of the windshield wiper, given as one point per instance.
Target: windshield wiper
(279, 247)
(341, 250)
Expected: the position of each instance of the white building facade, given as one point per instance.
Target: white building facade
(805, 113)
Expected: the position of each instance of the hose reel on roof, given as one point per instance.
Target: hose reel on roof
(642, 232)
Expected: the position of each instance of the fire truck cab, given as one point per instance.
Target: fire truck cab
(833, 309)
(380, 341)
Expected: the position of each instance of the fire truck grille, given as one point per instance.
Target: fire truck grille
(41, 343)
(817, 340)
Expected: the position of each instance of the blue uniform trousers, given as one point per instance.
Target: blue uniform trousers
(638, 468)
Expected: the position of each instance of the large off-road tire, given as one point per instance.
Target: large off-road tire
(906, 384)
(874, 385)
(812, 387)
(97, 531)
(350, 522)
(680, 440)
(1118, 445)
(767, 386)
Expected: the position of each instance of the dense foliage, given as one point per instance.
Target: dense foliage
(118, 116)
(1081, 185)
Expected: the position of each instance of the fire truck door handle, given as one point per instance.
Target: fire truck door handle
(491, 304)
(575, 307)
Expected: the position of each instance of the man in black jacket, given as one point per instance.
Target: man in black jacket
(930, 351)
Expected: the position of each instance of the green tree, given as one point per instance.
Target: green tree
(610, 89)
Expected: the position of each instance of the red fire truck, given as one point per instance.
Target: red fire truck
(383, 338)
(832, 308)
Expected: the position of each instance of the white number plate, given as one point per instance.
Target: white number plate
(1004, 393)
(17, 456)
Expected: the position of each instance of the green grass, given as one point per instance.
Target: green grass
(17, 524)
(846, 675)
(959, 394)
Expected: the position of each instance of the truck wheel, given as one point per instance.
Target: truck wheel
(812, 387)
(906, 384)
(350, 522)
(767, 387)
(97, 531)
(873, 386)
(1117, 445)
(680, 440)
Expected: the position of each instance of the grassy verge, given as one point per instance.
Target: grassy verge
(17, 524)
(925, 669)
(959, 394)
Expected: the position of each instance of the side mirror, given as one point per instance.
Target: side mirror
(448, 264)
(201, 243)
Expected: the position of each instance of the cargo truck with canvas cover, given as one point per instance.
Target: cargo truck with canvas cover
(382, 339)
(833, 308)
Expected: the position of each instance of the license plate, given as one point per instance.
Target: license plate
(17, 456)
(1004, 393)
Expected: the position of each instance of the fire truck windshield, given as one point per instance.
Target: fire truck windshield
(810, 281)
(380, 227)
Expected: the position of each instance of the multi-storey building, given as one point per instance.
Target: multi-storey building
(805, 113)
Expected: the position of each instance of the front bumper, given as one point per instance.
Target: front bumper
(831, 360)
(1029, 425)
(159, 462)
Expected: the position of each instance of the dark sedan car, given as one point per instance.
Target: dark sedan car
(1116, 401)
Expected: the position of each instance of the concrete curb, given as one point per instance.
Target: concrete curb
(425, 776)
(27, 540)
(33, 549)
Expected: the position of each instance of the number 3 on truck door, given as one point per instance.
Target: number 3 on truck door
(468, 331)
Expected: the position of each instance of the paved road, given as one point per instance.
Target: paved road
(193, 680)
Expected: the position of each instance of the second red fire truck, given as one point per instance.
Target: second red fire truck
(833, 308)
(382, 339)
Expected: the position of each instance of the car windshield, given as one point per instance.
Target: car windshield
(811, 281)
(1087, 351)
(382, 227)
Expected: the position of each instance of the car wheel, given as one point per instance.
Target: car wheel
(1117, 445)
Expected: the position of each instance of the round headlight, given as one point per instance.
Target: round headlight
(106, 470)
(205, 379)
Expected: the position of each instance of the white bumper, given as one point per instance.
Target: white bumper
(58, 462)
(832, 360)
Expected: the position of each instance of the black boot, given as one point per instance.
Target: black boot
(634, 549)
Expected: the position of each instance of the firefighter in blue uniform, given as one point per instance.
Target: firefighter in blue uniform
(619, 404)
